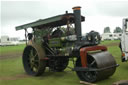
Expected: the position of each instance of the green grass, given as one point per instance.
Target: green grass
(13, 67)
(6, 49)
(109, 42)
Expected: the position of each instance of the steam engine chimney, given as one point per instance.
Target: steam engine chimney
(77, 15)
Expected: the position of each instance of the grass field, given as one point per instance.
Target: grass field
(12, 72)
(7, 49)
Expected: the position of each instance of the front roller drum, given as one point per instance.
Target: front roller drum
(32, 63)
(102, 63)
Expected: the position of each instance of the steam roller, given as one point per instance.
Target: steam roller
(95, 63)
(56, 40)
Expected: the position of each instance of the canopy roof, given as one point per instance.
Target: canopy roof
(51, 22)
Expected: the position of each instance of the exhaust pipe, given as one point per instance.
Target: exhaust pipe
(77, 16)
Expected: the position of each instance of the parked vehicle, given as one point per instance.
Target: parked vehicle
(124, 41)
(6, 41)
(111, 36)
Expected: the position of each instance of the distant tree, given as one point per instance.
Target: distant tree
(107, 30)
(117, 30)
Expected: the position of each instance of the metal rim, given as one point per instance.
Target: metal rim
(32, 63)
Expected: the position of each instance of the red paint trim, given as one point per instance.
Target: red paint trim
(83, 53)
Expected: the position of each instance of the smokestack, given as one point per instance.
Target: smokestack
(77, 15)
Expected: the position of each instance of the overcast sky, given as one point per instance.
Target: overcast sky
(98, 13)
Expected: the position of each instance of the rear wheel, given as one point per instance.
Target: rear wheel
(32, 63)
(122, 58)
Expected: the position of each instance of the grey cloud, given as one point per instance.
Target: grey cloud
(112, 8)
(26, 10)
(16, 10)
(14, 13)
(32, 10)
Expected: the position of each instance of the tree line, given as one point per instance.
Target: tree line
(116, 30)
